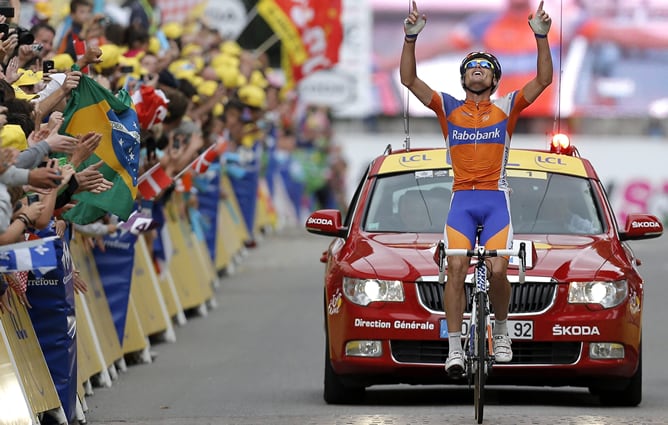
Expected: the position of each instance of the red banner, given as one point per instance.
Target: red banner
(310, 30)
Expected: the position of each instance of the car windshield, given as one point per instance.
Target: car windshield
(541, 203)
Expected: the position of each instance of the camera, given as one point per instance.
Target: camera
(32, 198)
(25, 36)
(47, 66)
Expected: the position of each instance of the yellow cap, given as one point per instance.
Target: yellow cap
(207, 88)
(218, 109)
(110, 57)
(153, 45)
(252, 96)
(231, 47)
(182, 68)
(20, 94)
(12, 136)
(225, 60)
(257, 79)
(63, 62)
(191, 49)
(172, 30)
(229, 76)
(43, 9)
(28, 78)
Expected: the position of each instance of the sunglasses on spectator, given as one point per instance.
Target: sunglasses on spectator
(473, 63)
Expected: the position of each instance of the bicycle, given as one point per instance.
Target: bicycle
(478, 346)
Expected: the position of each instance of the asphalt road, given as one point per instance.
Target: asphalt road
(258, 359)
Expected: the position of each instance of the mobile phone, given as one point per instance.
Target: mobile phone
(7, 12)
(4, 28)
(127, 69)
(47, 66)
(32, 198)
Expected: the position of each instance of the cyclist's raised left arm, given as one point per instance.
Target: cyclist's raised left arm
(540, 24)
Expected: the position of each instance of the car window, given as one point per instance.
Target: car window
(410, 202)
(549, 203)
(541, 203)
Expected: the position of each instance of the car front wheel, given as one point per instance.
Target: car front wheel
(335, 391)
(628, 396)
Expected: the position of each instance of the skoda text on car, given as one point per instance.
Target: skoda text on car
(577, 321)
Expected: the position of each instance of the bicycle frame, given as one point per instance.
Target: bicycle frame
(478, 345)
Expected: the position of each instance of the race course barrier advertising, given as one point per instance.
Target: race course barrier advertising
(132, 298)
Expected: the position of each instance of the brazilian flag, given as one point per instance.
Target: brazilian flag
(92, 107)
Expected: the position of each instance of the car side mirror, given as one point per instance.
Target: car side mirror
(641, 226)
(326, 223)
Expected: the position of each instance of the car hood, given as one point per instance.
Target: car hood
(409, 256)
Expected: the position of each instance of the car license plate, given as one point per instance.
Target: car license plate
(517, 329)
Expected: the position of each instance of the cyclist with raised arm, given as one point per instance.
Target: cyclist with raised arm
(477, 133)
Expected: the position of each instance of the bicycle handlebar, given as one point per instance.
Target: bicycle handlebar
(481, 252)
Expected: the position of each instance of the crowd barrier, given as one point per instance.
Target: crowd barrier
(116, 322)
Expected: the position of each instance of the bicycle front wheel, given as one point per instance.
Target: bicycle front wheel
(480, 372)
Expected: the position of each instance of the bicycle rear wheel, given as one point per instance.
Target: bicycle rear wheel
(480, 372)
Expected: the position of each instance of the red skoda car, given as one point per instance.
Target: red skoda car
(576, 321)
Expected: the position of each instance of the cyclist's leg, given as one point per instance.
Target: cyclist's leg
(498, 234)
(459, 234)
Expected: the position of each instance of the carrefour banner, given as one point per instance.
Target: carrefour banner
(51, 296)
(208, 197)
(114, 264)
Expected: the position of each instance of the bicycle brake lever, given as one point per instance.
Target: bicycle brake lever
(523, 262)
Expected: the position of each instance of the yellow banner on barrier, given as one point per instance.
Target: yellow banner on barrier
(96, 300)
(29, 361)
(135, 339)
(228, 241)
(235, 210)
(168, 293)
(143, 290)
(89, 362)
(203, 257)
(13, 399)
(265, 213)
(192, 292)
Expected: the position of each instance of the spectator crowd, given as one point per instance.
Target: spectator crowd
(197, 98)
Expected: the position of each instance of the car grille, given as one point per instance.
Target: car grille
(524, 352)
(529, 297)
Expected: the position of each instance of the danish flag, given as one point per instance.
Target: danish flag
(202, 163)
(152, 182)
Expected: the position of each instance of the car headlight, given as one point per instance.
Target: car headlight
(607, 294)
(366, 291)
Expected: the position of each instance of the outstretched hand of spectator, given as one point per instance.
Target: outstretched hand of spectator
(4, 303)
(80, 285)
(92, 180)
(60, 143)
(44, 177)
(85, 148)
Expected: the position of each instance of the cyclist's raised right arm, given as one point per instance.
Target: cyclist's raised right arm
(413, 24)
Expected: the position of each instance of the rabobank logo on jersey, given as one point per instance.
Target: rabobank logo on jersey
(460, 135)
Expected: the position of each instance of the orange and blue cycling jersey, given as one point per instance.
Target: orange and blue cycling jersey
(477, 136)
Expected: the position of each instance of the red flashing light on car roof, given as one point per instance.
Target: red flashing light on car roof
(561, 144)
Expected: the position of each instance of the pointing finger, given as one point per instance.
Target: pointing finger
(540, 5)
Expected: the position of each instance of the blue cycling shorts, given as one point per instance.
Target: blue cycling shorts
(470, 208)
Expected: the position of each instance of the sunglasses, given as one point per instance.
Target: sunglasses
(483, 63)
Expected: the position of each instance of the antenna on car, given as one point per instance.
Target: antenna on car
(407, 140)
(557, 114)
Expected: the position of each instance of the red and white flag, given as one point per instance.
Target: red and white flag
(311, 32)
(152, 182)
(151, 106)
(202, 163)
